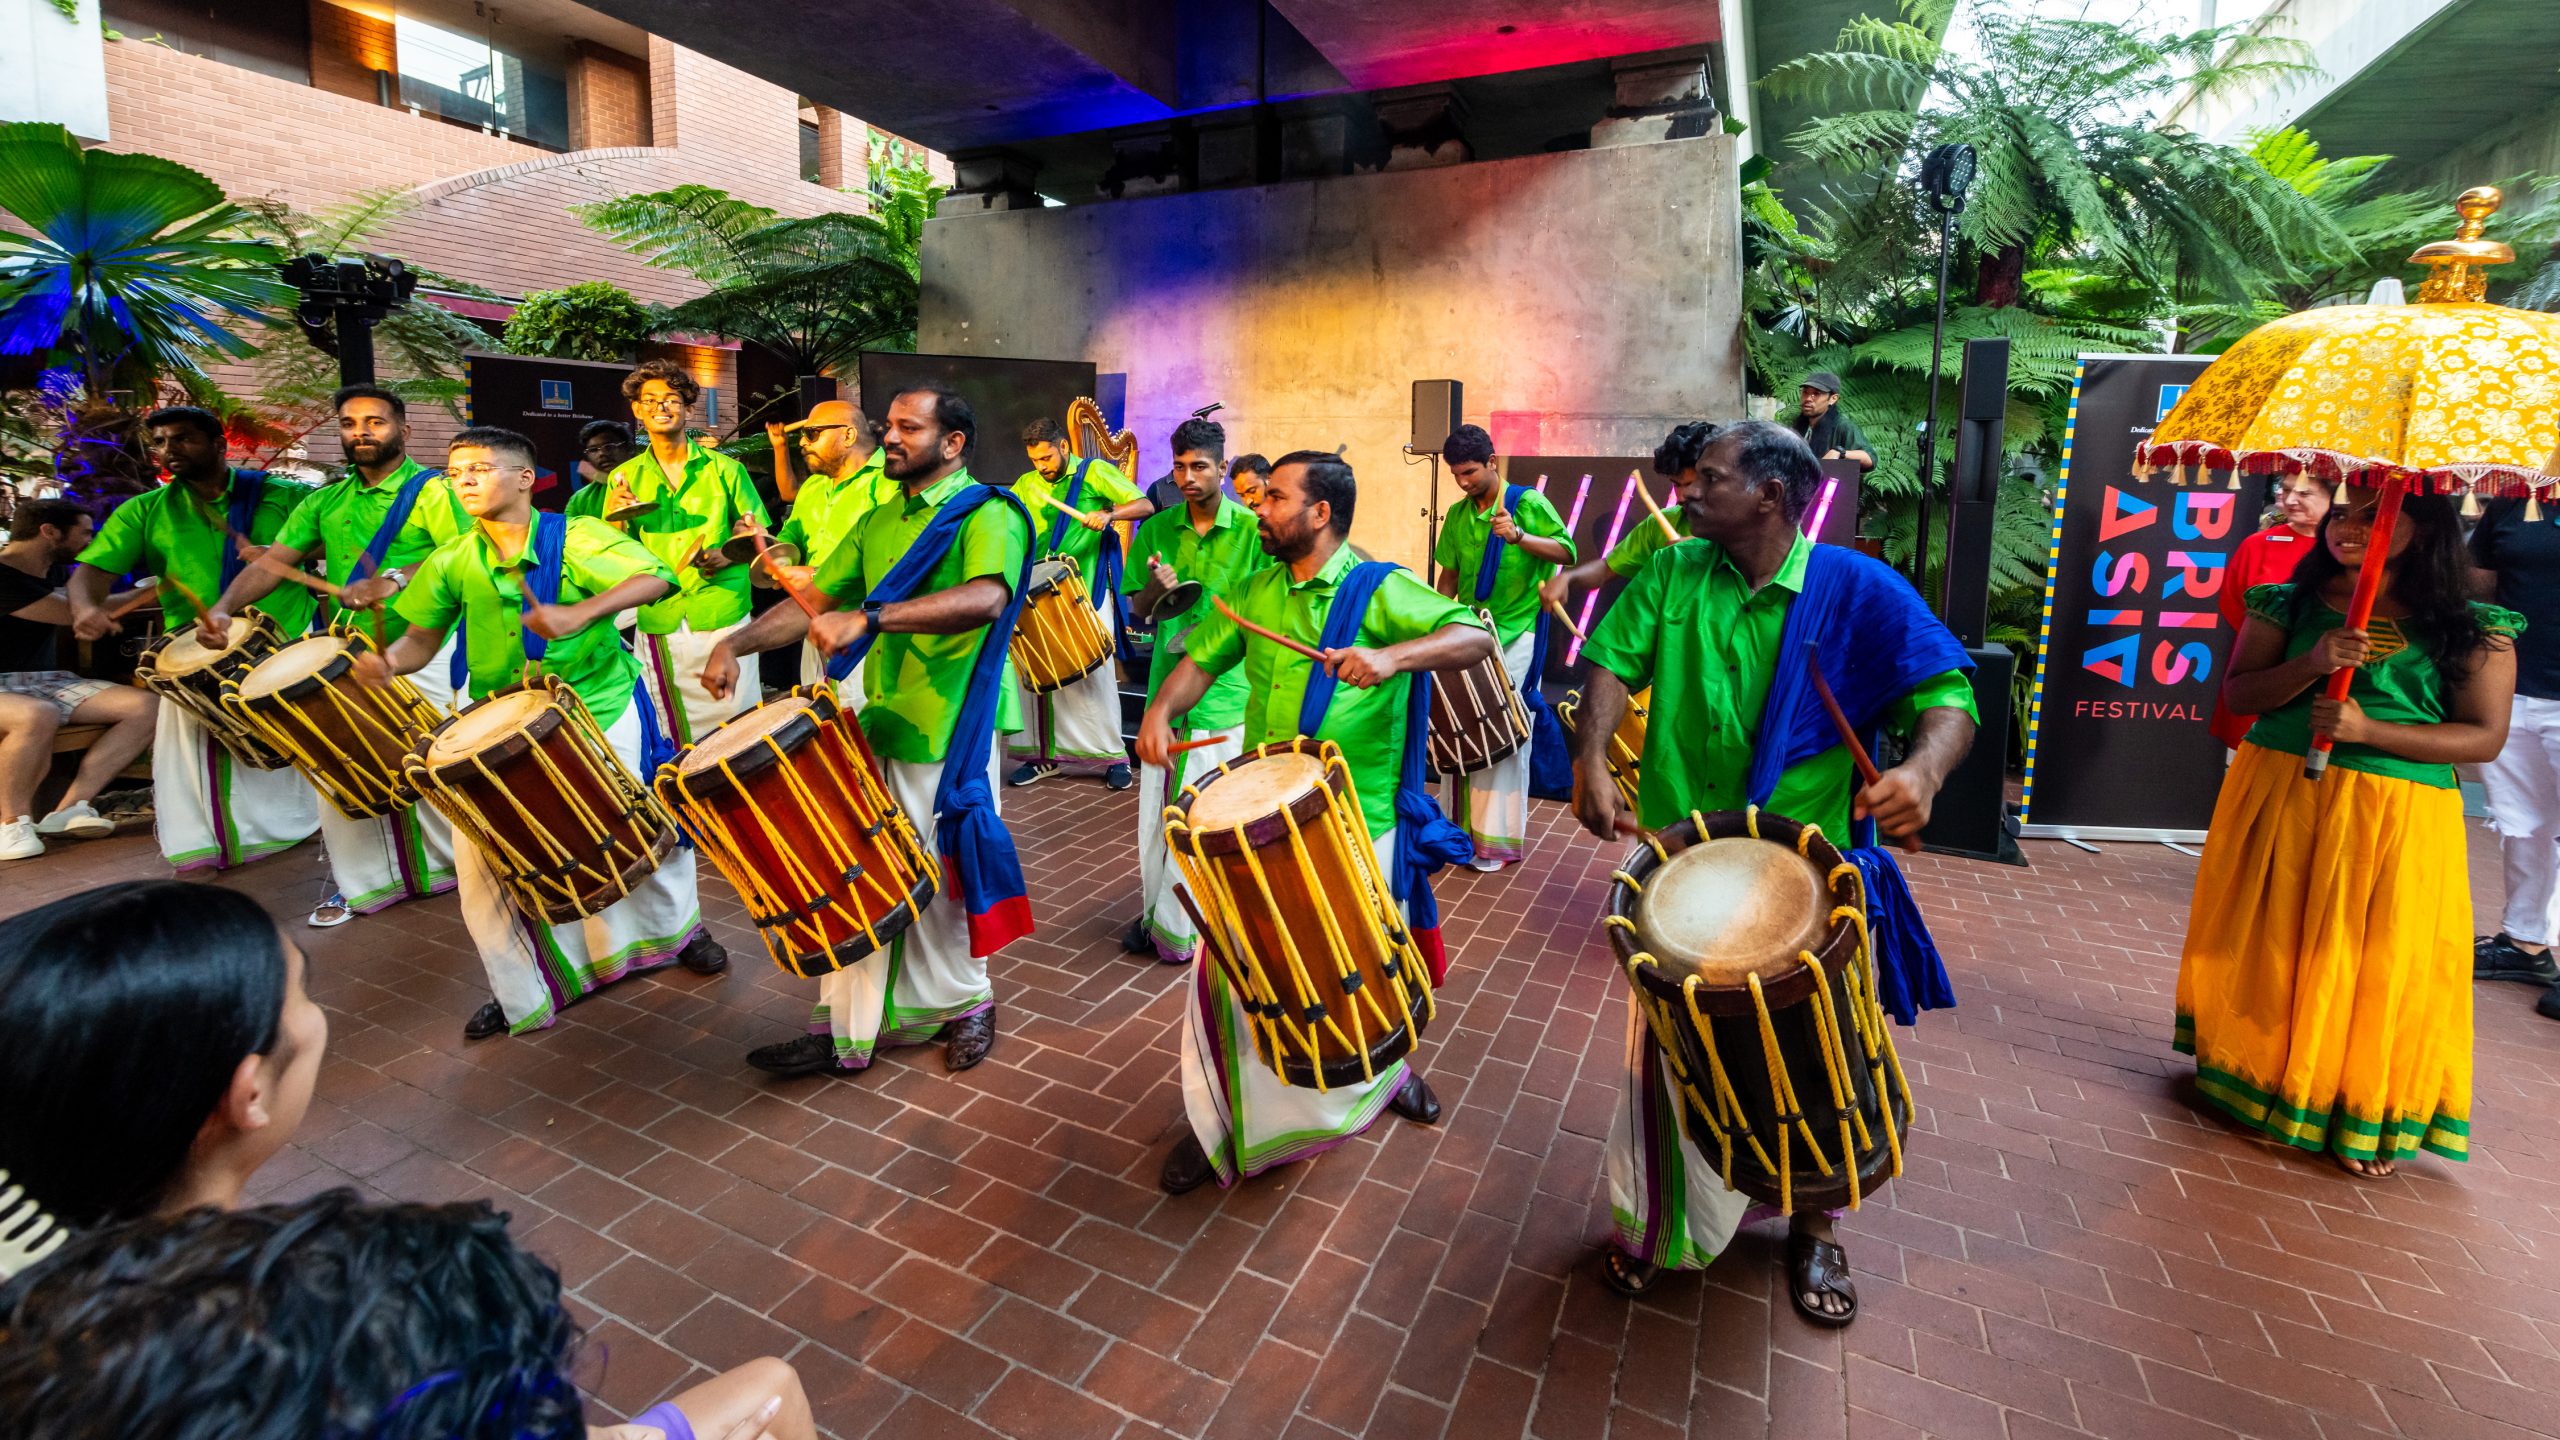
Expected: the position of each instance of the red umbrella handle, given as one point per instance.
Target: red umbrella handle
(2377, 554)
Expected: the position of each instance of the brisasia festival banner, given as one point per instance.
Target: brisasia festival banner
(2133, 647)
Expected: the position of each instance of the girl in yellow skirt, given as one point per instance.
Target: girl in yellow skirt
(2325, 989)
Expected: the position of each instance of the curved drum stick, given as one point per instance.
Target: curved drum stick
(1658, 517)
(1282, 641)
(2377, 555)
(1867, 773)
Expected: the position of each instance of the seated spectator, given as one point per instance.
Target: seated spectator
(329, 1317)
(156, 1048)
(37, 699)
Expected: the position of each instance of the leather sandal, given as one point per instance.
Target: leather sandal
(966, 1041)
(1819, 1267)
(1625, 1273)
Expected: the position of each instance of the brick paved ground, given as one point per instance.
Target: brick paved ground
(2073, 1249)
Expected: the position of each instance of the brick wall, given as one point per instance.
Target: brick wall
(844, 151)
(348, 47)
(608, 99)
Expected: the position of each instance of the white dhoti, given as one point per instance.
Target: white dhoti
(211, 811)
(926, 978)
(1241, 1112)
(671, 673)
(1669, 1201)
(2524, 808)
(1492, 804)
(536, 967)
(1168, 924)
(1076, 726)
(813, 671)
(378, 862)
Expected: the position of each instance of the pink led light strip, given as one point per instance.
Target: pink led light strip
(1608, 542)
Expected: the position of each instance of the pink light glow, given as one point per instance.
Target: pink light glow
(1822, 509)
(1609, 542)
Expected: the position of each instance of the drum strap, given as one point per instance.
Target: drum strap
(248, 487)
(1550, 757)
(1106, 564)
(977, 851)
(394, 520)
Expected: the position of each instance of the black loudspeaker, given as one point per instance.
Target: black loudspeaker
(1437, 406)
(1969, 817)
(1973, 490)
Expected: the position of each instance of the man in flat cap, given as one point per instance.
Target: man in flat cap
(1830, 433)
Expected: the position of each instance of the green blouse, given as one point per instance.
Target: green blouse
(2398, 685)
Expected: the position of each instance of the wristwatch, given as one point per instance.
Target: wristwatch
(871, 615)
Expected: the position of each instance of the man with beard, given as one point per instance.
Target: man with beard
(1078, 723)
(211, 811)
(1244, 1119)
(37, 700)
(846, 479)
(1494, 552)
(1829, 433)
(926, 590)
(697, 499)
(1212, 540)
(370, 527)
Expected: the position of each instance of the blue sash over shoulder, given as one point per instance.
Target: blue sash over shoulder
(1876, 642)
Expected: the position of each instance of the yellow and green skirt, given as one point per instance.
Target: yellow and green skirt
(2325, 988)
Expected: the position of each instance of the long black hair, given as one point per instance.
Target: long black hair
(2431, 579)
(128, 1008)
(327, 1319)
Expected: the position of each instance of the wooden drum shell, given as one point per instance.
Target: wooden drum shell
(1477, 720)
(567, 828)
(1287, 909)
(1060, 637)
(352, 740)
(1626, 746)
(799, 820)
(199, 692)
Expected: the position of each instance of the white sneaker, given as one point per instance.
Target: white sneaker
(19, 841)
(81, 821)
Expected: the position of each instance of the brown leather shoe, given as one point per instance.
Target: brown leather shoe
(1186, 1166)
(1414, 1101)
(967, 1041)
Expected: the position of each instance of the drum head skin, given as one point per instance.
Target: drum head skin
(743, 734)
(1254, 789)
(484, 724)
(1048, 575)
(184, 654)
(1731, 908)
(292, 665)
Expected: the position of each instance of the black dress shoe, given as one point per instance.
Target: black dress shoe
(1414, 1101)
(486, 1021)
(703, 955)
(967, 1041)
(1118, 777)
(1186, 1168)
(2548, 1007)
(2496, 957)
(1136, 940)
(791, 1059)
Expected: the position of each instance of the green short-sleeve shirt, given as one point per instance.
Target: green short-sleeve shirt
(1221, 561)
(1690, 626)
(1104, 488)
(1642, 542)
(828, 508)
(1367, 724)
(168, 532)
(2399, 684)
(587, 500)
(465, 580)
(339, 519)
(695, 511)
(1464, 533)
(912, 685)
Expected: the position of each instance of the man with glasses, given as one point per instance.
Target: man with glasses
(210, 810)
(697, 499)
(370, 527)
(602, 447)
(845, 481)
(537, 593)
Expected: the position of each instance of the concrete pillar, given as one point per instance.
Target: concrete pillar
(1658, 100)
(990, 180)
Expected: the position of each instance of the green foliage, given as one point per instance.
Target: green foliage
(591, 320)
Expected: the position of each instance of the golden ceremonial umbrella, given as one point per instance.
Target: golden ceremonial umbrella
(2450, 395)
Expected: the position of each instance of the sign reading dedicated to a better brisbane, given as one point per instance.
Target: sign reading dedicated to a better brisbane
(2134, 647)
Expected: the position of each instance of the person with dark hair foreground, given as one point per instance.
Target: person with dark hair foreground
(1719, 628)
(535, 594)
(37, 700)
(329, 1317)
(211, 810)
(1078, 723)
(1495, 551)
(1244, 1119)
(195, 977)
(923, 597)
(370, 527)
(2324, 988)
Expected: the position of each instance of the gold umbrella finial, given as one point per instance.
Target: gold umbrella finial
(2455, 264)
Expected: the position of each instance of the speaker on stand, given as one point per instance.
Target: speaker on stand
(1438, 406)
(1971, 814)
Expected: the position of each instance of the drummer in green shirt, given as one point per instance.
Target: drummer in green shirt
(370, 527)
(1493, 803)
(209, 810)
(1244, 1120)
(489, 583)
(1208, 543)
(698, 499)
(845, 481)
(1078, 723)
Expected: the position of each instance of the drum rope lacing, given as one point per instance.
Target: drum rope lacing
(304, 744)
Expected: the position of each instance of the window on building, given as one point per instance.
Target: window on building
(812, 161)
(464, 69)
(270, 39)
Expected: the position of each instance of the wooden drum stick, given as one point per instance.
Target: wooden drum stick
(1867, 773)
(1658, 517)
(1250, 628)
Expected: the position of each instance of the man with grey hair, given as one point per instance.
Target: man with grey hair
(1725, 629)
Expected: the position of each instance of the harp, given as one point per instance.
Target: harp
(1089, 436)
